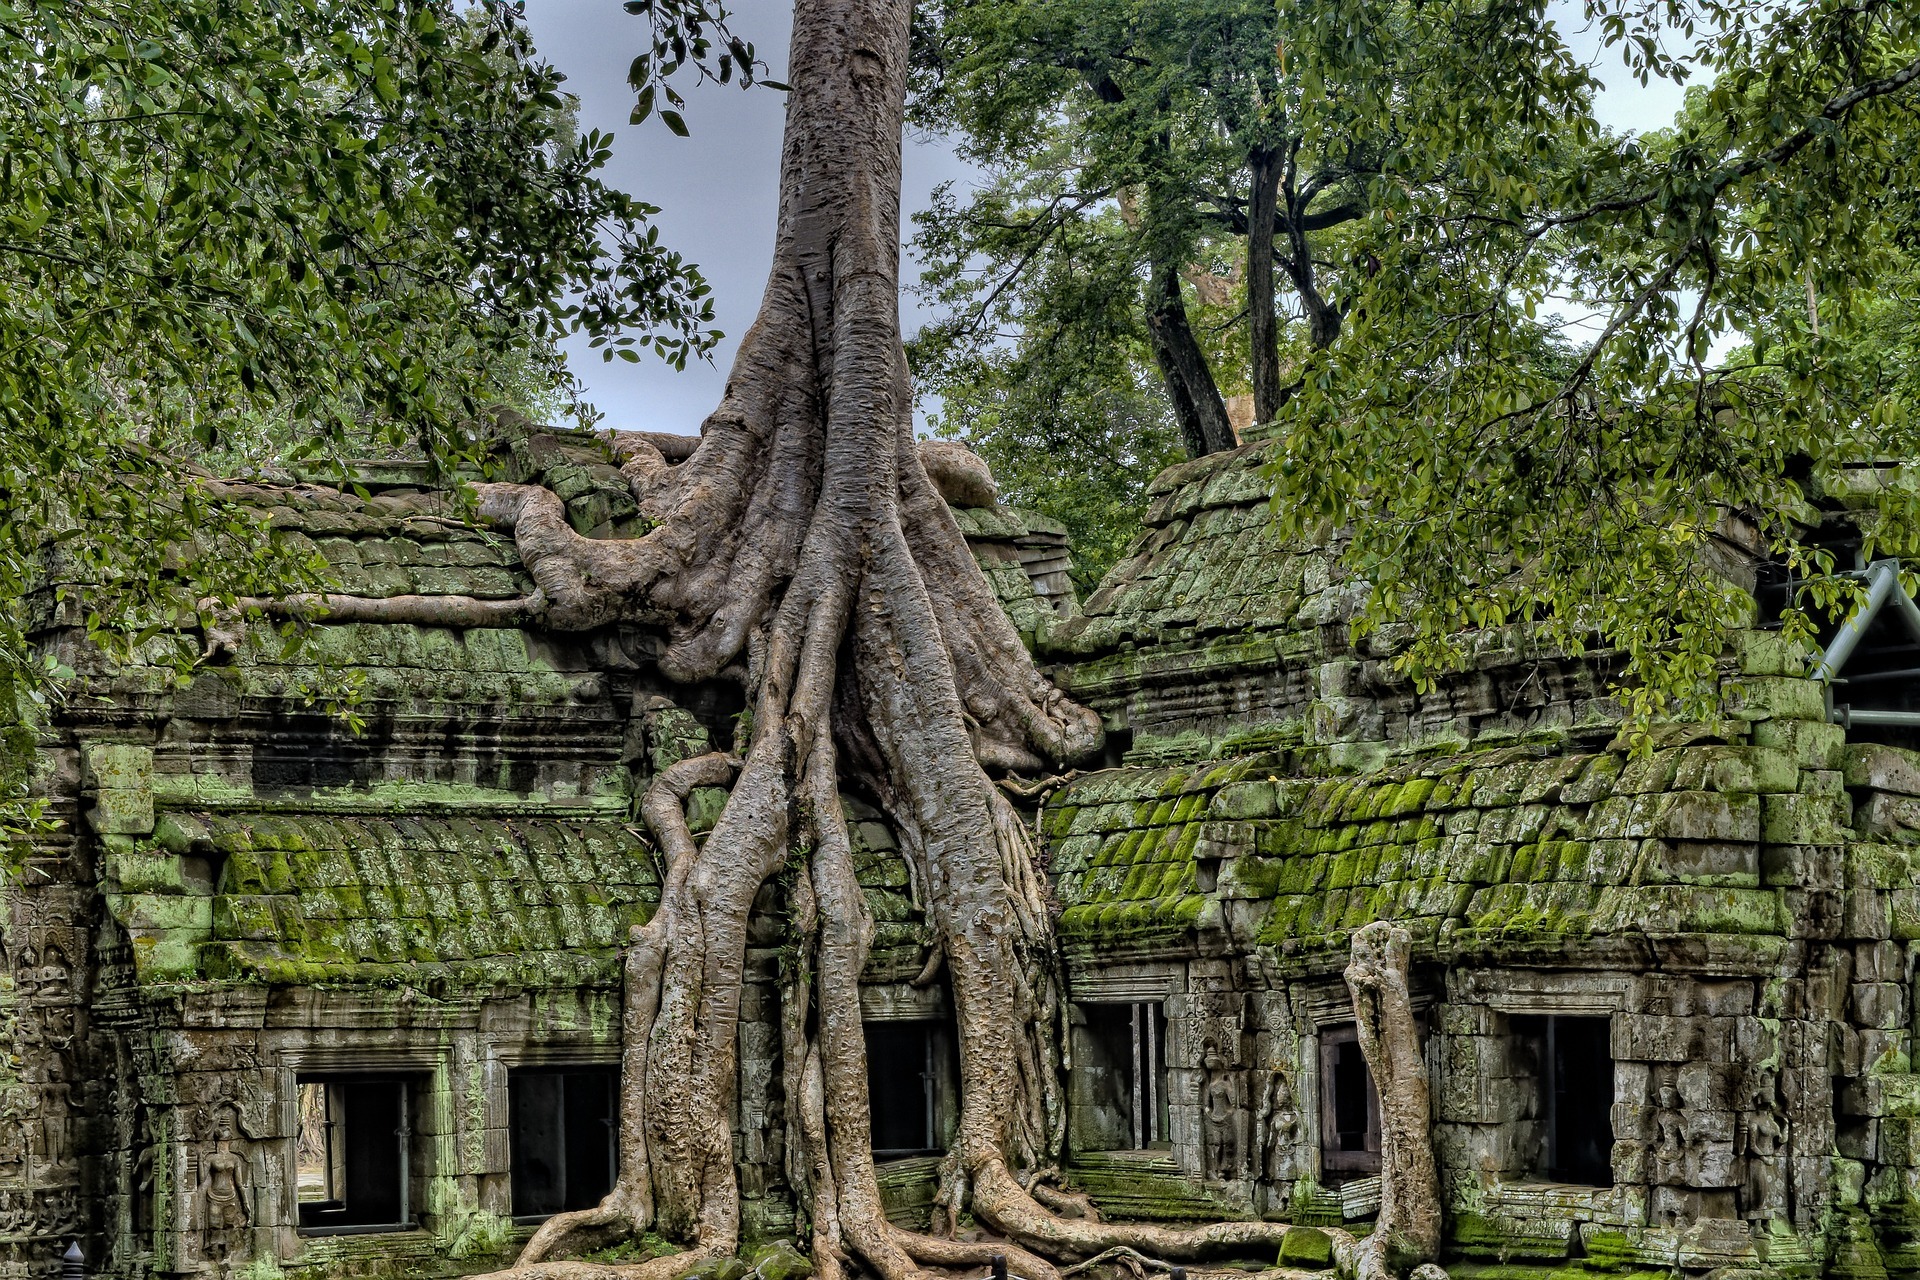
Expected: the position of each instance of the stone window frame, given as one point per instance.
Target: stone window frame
(904, 1002)
(1145, 982)
(501, 1058)
(600, 1140)
(1523, 992)
(346, 1058)
(1327, 1004)
(1363, 1163)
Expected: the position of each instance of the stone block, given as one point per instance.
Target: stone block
(1648, 1038)
(1803, 819)
(1903, 914)
(1777, 698)
(1458, 1091)
(1716, 1242)
(1632, 1082)
(1709, 862)
(1633, 1123)
(1306, 1247)
(1882, 815)
(138, 871)
(1880, 1049)
(1241, 801)
(1769, 653)
(1706, 815)
(1822, 782)
(1900, 1141)
(1879, 1004)
(1646, 774)
(1877, 767)
(193, 914)
(116, 766)
(121, 812)
(1865, 914)
(1754, 1040)
(1711, 1164)
(1881, 961)
(167, 952)
(1858, 1140)
(1811, 745)
(1706, 1090)
(1719, 999)
(1814, 913)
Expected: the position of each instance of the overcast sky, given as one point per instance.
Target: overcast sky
(716, 189)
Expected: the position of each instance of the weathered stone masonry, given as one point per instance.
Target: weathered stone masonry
(1668, 998)
(1723, 926)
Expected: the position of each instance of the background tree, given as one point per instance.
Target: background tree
(1235, 133)
(1595, 499)
(1172, 196)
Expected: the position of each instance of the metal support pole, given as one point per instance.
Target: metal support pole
(1846, 717)
(1883, 582)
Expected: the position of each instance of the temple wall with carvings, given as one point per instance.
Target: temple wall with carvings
(286, 997)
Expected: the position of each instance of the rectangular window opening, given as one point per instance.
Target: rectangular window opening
(352, 1154)
(1349, 1107)
(564, 1135)
(1119, 1084)
(911, 1086)
(1573, 1071)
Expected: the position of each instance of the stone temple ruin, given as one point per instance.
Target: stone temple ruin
(287, 999)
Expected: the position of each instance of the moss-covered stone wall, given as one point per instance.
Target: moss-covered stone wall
(1734, 908)
(247, 890)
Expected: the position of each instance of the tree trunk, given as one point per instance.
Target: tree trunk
(1323, 317)
(1408, 1230)
(1197, 406)
(1263, 321)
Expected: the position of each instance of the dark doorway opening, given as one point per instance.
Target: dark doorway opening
(1119, 1084)
(563, 1135)
(1349, 1107)
(910, 1075)
(1575, 1082)
(354, 1148)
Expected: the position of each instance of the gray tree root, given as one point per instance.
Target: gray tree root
(1409, 1222)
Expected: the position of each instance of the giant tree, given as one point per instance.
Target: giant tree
(802, 549)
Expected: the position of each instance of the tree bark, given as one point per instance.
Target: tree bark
(1197, 407)
(1408, 1229)
(1263, 321)
(1323, 316)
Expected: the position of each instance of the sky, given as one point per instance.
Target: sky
(717, 189)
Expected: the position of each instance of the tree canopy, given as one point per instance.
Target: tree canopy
(331, 226)
(1589, 499)
(1550, 370)
(1173, 196)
